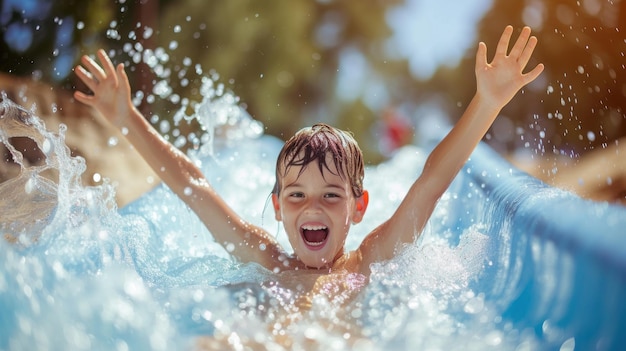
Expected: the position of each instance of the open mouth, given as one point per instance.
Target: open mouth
(314, 235)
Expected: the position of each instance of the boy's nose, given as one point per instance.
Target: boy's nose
(313, 206)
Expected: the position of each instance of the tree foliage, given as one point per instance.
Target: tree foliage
(579, 102)
(281, 56)
(286, 60)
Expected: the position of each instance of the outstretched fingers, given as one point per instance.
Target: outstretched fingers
(533, 74)
(481, 56)
(521, 42)
(501, 78)
(123, 82)
(87, 78)
(93, 74)
(104, 59)
(522, 52)
(104, 79)
(503, 44)
(93, 69)
(84, 98)
(525, 55)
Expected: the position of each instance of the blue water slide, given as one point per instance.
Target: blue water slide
(559, 261)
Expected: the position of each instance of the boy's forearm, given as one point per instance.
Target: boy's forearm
(168, 162)
(172, 166)
(452, 152)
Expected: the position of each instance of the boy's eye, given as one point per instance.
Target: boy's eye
(331, 195)
(296, 194)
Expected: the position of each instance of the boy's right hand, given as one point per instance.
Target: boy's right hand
(111, 89)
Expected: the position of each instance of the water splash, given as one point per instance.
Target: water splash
(64, 283)
(223, 121)
(151, 277)
(43, 198)
(219, 114)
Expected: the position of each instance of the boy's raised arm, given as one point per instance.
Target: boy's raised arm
(497, 82)
(112, 98)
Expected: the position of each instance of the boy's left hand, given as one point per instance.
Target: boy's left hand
(498, 81)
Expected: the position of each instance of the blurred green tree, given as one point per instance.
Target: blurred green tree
(283, 57)
(289, 61)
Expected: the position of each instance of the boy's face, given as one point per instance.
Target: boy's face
(316, 210)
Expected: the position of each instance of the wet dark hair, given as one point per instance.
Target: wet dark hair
(313, 144)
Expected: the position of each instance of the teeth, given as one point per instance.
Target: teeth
(313, 227)
(314, 244)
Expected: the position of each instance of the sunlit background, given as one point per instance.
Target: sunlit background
(547, 264)
(378, 68)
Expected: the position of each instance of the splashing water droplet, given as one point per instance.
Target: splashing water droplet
(147, 33)
(162, 89)
(568, 345)
(591, 136)
(113, 141)
(46, 146)
(29, 186)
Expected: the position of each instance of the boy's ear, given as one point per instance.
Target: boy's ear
(276, 204)
(361, 206)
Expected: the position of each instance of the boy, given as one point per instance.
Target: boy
(319, 172)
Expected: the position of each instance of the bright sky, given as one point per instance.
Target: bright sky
(431, 32)
(428, 33)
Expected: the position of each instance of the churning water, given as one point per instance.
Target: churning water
(77, 273)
